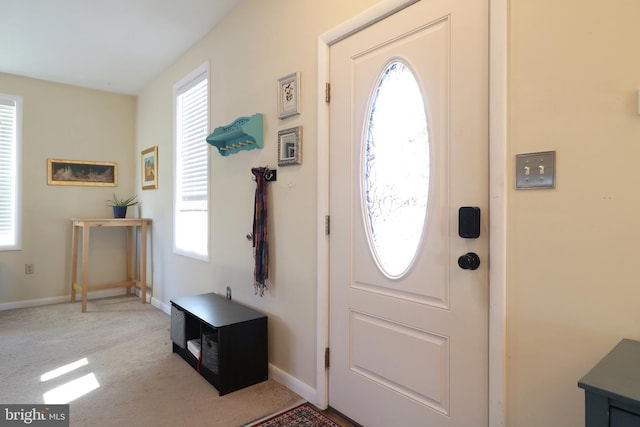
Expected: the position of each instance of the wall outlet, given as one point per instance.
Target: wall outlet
(228, 292)
(28, 269)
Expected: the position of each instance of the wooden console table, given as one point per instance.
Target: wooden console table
(83, 226)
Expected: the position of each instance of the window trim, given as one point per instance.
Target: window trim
(18, 174)
(181, 86)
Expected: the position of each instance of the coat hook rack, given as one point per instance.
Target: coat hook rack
(245, 133)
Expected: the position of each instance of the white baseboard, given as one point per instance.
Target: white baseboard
(292, 383)
(33, 302)
(60, 299)
(166, 308)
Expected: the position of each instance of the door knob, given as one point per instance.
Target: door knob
(469, 261)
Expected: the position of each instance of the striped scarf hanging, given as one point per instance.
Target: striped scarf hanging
(260, 241)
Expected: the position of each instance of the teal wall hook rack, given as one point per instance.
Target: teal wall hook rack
(244, 133)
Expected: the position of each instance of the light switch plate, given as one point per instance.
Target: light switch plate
(536, 170)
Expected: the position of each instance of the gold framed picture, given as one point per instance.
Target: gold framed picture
(150, 168)
(79, 172)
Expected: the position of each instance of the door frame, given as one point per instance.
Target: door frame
(498, 167)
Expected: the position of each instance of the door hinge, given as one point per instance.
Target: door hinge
(326, 358)
(327, 92)
(327, 225)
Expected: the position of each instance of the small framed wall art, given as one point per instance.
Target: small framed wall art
(150, 168)
(78, 172)
(289, 95)
(290, 146)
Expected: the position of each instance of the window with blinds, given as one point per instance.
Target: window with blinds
(191, 201)
(10, 119)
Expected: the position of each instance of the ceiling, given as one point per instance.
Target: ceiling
(111, 45)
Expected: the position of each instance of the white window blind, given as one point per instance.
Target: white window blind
(191, 236)
(193, 118)
(9, 176)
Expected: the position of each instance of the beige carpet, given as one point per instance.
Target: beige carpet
(128, 358)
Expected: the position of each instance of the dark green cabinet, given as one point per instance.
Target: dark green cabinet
(612, 388)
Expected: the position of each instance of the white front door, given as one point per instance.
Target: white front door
(408, 148)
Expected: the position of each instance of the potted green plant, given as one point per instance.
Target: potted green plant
(120, 205)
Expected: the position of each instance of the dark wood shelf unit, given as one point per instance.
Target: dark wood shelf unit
(237, 356)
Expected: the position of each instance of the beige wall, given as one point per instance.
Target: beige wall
(65, 122)
(258, 43)
(572, 265)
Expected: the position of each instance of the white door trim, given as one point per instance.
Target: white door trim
(498, 166)
(497, 193)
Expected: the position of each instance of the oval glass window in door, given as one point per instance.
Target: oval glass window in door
(396, 169)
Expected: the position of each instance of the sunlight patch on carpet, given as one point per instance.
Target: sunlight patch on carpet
(55, 373)
(72, 390)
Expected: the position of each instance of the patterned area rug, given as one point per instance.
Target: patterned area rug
(304, 415)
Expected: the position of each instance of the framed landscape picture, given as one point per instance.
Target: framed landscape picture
(150, 168)
(79, 172)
